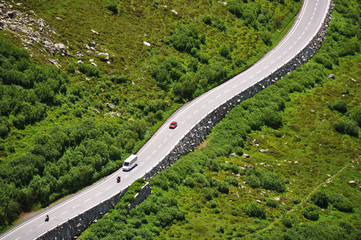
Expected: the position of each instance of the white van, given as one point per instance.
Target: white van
(130, 162)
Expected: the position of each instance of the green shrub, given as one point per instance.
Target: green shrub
(224, 52)
(347, 126)
(255, 210)
(257, 177)
(212, 204)
(271, 118)
(311, 212)
(187, 37)
(207, 19)
(340, 202)
(223, 187)
(253, 181)
(320, 199)
(218, 23)
(272, 203)
(71, 68)
(118, 78)
(287, 222)
(232, 181)
(340, 106)
(112, 5)
(89, 70)
(356, 115)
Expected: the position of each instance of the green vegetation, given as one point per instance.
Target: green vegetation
(306, 164)
(62, 129)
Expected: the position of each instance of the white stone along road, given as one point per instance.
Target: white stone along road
(307, 24)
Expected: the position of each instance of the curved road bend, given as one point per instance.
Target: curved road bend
(307, 24)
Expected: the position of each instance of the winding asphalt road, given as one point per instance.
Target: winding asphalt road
(307, 24)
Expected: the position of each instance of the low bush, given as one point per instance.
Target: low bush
(272, 203)
(255, 210)
(347, 126)
(340, 106)
(112, 6)
(320, 199)
(311, 213)
(89, 70)
(340, 202)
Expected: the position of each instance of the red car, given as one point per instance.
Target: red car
(173, 125)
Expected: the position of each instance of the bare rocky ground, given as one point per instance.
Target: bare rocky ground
(33, 31)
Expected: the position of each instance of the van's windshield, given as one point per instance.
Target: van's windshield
(126, 164)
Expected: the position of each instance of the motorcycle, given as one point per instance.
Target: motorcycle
(118, 179)
(47, 218)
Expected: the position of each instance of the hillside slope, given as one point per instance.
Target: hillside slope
(299, 177)
(62, 129)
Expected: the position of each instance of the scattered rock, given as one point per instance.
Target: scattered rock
(96, 110)
(59, 18)
(109, 105)
(59, 46)
(103, 56)
(352, 183)
(53, 61)
(175, 12)
(332, 76)
(233, 154)
(259, 201)
(147, 44)
(263, 150)
(92, 44)
(93, 31)
(245, 155)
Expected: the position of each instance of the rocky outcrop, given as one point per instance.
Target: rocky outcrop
(31, 30)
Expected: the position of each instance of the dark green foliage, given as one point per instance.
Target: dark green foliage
(322, 231)
(311, 213)
(271, 118)
(225, 52)
(356, 115)
(287, 222)
(118, 78)
(89, 70)
(187, 37)
(272, 203)
(320, 199)
(26, 90)
(207, 20)
(255, 210)
(340, 202)
(223, 187)
(218, 23)
(71, 68)
(168, 72)
(232, 181)
(257, 177)
(112, 5)
(347, 126)
(340, 106)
